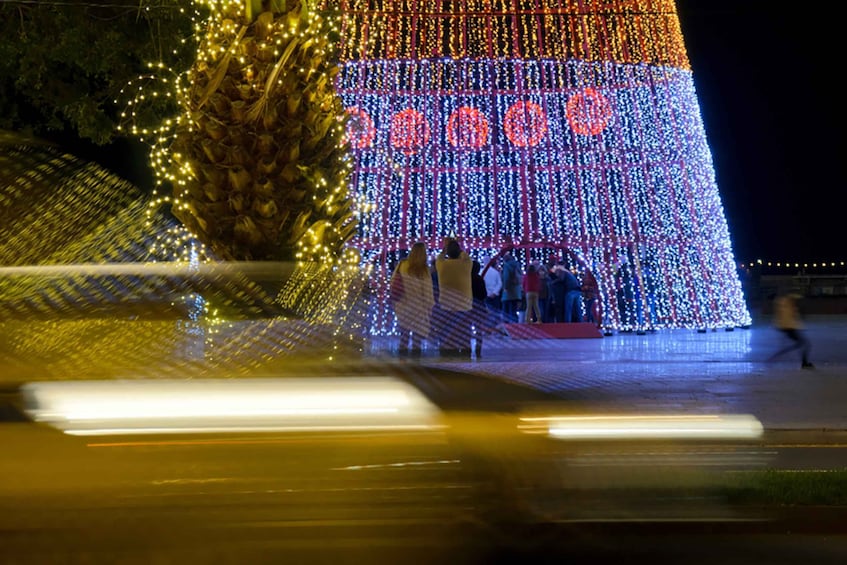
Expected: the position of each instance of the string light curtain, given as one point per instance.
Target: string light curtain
(540, 123)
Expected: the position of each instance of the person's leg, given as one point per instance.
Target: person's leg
(569, 304)
(576, 315)
(531, 307)
(536, 308)
(560, 311)
(514, 305)
(507, 317)
(492, 304)
(795, 343)
(450, 339)
(805, 349)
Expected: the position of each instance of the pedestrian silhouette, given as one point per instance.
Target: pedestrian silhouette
(512, 294)
(786, 318)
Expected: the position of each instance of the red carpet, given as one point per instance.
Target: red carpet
(553, 331)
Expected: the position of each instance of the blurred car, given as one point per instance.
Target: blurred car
(351, 451)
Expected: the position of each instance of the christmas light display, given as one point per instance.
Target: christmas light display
(543, 125)
(824, 266)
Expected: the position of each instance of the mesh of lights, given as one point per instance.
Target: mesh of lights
(332, 292)
(531, 122)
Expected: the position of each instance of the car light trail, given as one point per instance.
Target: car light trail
(243, 405)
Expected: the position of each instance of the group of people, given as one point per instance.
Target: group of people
(546, 293)
(437, 301)
(451, 302)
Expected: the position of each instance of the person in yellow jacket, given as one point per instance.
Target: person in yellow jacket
(455, 298)
(786, 318)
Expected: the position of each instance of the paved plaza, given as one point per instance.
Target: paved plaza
(683, 370)
(669, 370)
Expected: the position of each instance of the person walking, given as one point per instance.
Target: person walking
(511, 295)
(414, 307)
(455, 297)
(531, 286)
(786, 318)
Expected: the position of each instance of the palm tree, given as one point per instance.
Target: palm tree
(259, 165)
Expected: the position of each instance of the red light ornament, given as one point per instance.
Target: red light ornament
(525, 124)
(409, 131)
(467, 128)
(588, 112)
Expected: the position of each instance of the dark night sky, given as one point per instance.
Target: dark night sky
(767, 80)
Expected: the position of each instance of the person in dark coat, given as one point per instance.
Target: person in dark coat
(566, 295)
(512, 295)
(480, 319)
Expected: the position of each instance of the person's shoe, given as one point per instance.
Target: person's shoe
(807, 366)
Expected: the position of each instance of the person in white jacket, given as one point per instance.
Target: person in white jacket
(493, 288)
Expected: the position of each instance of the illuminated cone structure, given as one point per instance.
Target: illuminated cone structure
(567, 127)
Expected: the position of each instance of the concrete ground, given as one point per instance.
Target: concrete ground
(683, 370)
(670, 370)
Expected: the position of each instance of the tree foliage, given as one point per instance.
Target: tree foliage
(259, 156)
(63, 64)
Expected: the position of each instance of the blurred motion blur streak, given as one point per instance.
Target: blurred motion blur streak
(645, 426)
(256, 405)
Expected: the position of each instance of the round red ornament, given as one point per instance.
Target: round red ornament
(467, 127)
(588, 112)
(409, 131)
(525, 124)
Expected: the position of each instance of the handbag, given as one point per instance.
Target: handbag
(395, 289)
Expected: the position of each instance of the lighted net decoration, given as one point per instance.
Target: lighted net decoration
(94, 286)
(541, 123)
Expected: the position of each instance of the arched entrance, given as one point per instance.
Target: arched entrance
(586, 276)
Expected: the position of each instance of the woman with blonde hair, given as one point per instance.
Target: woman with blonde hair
(414, 307)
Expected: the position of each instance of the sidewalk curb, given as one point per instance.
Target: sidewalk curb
(805, 436)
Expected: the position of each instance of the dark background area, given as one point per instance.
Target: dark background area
(768, 79)
(767, 76)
